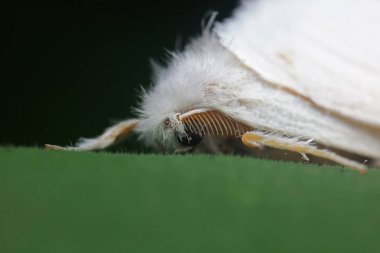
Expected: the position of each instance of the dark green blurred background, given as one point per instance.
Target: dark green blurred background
(68, 68)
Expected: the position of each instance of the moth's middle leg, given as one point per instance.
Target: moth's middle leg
(277, 141)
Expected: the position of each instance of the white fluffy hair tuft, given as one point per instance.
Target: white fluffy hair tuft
(182, 86)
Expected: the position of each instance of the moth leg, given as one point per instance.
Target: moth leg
(376, 163)
(111, 136)
(296, 145)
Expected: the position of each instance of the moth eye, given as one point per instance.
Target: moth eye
(190, 139)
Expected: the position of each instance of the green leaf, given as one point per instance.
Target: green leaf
(53, 201)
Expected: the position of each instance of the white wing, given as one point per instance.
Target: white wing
(327, 51)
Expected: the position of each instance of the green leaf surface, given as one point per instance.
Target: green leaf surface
(54, 201)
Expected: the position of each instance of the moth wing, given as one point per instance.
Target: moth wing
(325, 51)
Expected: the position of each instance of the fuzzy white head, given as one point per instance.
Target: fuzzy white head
(188, 83)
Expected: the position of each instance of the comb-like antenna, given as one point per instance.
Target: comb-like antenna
(205, 122)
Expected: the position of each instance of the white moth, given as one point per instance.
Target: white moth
(298, 76)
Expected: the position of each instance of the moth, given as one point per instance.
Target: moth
(296, 76)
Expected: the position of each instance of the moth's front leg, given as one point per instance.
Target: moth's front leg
(278, 141)
(110, 137)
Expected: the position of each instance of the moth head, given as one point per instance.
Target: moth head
(186, 131)
(185, 136)
(168, 132)
(189, 138)
(184, 86)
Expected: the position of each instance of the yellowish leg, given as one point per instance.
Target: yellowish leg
(110, 136)
(376, 164)
(296, 145)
